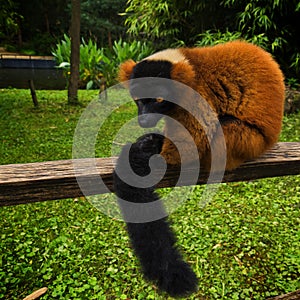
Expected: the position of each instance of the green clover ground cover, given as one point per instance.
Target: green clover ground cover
(242, 245)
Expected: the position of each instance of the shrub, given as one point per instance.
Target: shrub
(120, 52)
(99, 64)
(91, 58)
(272, 24)
(210, 37)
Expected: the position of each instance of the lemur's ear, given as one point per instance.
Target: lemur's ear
(125, 70)
(183, 72)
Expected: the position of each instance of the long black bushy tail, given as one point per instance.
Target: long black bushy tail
(152, 241)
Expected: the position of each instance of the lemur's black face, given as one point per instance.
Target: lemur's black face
(151, 110)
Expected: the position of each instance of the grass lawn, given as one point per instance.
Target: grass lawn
(242, 245)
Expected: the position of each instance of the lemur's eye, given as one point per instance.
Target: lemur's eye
(159, 99)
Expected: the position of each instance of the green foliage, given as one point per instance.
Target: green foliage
(169, 22)
(272, 24)
(99, 64)
(120, 52)
(296, 62)
(62, 52)
(271, 17)
(32, 27)
(9, 19)
(135, 50)
(91, 58)
(160, 24)
(209, 38)
(243, 245)
(48, 133)
(23, 28)
(100, 20)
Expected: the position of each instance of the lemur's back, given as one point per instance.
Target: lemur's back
(242, 80)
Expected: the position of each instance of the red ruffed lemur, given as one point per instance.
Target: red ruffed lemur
(243, 86)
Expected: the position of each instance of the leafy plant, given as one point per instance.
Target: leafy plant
(62, 52)
(151, 17)
(98, 65)
(9, 19)
(90, 61)
(211, 38)
(120, 52)
(253, 18)
(135, 50)
(272, 24)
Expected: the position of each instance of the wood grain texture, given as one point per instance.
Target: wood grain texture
(289, 296)
(32, 182)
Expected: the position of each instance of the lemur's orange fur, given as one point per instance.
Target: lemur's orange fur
(237, 79)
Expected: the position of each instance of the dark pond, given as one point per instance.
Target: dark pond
(16, 72)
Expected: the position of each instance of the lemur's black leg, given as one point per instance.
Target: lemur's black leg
(153, 242)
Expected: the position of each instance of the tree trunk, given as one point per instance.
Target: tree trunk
(20, 39)
(109, 40)
(47, 23)
(75, 53)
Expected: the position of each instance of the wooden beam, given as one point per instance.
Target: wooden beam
(289, 296)
(42, 181)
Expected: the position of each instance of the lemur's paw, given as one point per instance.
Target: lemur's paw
(178, 280)
(150, 143)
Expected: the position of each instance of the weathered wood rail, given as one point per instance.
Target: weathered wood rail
(42, 181)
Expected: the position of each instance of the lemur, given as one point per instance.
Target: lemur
(244, 87)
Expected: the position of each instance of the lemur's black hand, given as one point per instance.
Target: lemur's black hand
(139, 153)
(150, 143)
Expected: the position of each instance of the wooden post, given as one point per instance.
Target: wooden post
(103, 90)
(75, 53)
(33, 93)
